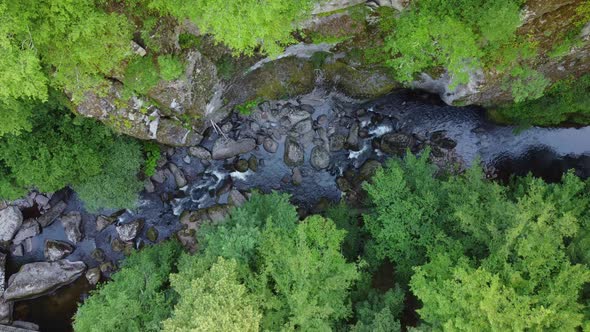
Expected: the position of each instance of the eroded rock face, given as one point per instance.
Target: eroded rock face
(11, 220)
(37, 279)
(56, 250)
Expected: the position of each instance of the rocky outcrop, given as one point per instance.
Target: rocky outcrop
(28, 229)
(11, 220)
(37, 279)
(49, 217)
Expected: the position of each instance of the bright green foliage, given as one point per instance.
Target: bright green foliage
(171, 67)
(296, 272)
(137, 298)
(62, 150)
(486, 257)
(141, 75)
(460, 36)
(243, 25)
(309, 275)
(248, 107)
(565, 101)
(16, 117)
(217, 301)
(74, 40)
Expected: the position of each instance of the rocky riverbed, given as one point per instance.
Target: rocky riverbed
(318, 147)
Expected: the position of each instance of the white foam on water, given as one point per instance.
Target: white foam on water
(380, 130)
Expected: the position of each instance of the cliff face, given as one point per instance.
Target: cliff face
(545, 23)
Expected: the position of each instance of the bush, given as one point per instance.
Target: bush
(141, 75)
(137, 298)
(565, 101)
(63, 150)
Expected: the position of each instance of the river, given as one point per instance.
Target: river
(546, 152)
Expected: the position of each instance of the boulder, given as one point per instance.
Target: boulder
(17, 250)
(303, 127)
(11, 220)
(179, 177)
(320, 158)
(241, 165)
(28, 229)
(199, 152)
(56, 250)
(98, 255)
(296, 176)
(236, 198)
(396, 143)
(337, 142)
(103, 222)
(93, 276)
(352, 141)
(128, 232)
(152, 234)
(270, 145)
(49, 217)
(253, 163)
(5, 311)
(228, 148)
(2, 272)
(37, 279)
(294, 153)
(72, 223)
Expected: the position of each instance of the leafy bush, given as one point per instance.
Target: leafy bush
(152, 155)
(137, 298)
(62, 150)
(171, 67)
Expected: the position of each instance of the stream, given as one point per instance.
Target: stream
(460, 135)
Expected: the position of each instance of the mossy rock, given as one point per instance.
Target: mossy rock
(360, 82)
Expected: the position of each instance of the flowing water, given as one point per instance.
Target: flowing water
(546, 152)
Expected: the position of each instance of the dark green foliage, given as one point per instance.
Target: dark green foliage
(137, 298)
(482, 256)
(379, 312)
(62, 150)
(226, 67)
(248, 107)
(565, 101)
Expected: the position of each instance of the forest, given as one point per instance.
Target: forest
(105, 97)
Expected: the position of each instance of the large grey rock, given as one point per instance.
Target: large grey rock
(72, 223)
(179, 177)
(11, 220)
(199, 152)
(303, 127)
(294, 153)
(2, 272)
(320, 158)
(28, 229)
(37, 279)
(236, 198)
(128, 232)
(227, 148)
(49, 217)
(56, 250)
(93, 276)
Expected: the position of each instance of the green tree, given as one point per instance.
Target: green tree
(243, 25)
(137, 298)
(217, 301)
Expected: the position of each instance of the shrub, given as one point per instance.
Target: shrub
(141, 75)
(171, 67)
